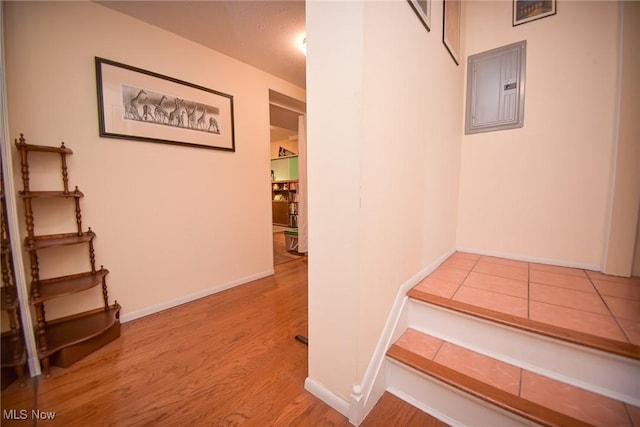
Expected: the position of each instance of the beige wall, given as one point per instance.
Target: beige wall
(172, 222)
(543, 191)
(383, 144)
(622, 240)
(334, 83)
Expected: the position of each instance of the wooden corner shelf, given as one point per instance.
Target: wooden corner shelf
(74, 330)
(22, 145)
(51, 194)
(8, 300)
(67, 285)
(13, 354)
(66, 340)
(13, 357)
(53, 240)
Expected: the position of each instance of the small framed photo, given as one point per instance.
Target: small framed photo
(422, 8)
(451, 28)
(529, 10)
(141, 105)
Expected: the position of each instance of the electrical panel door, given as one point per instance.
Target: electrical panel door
(495, 89)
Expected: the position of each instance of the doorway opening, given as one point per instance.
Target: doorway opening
(287, 181)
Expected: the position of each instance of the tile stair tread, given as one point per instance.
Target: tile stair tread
(510, 402)
(575, 337)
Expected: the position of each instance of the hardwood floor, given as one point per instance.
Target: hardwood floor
(280, 252)
(390, 411)
(224, 360)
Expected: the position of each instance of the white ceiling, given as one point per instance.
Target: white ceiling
(264, 34)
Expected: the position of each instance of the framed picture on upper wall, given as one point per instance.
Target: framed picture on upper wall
(451, 28)
(141, 105)
(529, 10)
(423, 10)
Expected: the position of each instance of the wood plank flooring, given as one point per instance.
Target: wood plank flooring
(224, 360)
(280, 252)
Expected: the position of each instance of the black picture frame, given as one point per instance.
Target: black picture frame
(422, 8)
(132, 101)
(531, 10)
(451, 28)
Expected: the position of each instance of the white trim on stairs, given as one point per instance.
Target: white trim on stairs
(366, 394)
(615, 376)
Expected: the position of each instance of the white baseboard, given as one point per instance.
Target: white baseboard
(192, 297)
(373, 386)
(519, 257)
(327, 396)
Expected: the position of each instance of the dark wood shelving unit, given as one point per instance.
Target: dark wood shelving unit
(8, 301)
(14, 359)
(71, 338)
(54, 240)
(67, 285)
(64, 341)
(284, 201)
(13, 356)
(43, 194)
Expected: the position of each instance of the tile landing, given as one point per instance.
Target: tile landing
(580, 306)
(586, 307)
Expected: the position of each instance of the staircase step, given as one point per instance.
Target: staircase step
(528, 395)
(606, 373)
(600, 343)
(493, 341)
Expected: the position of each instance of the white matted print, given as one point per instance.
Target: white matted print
(145, 106)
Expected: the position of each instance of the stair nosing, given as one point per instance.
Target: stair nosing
(575, 337)
(502, 399)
